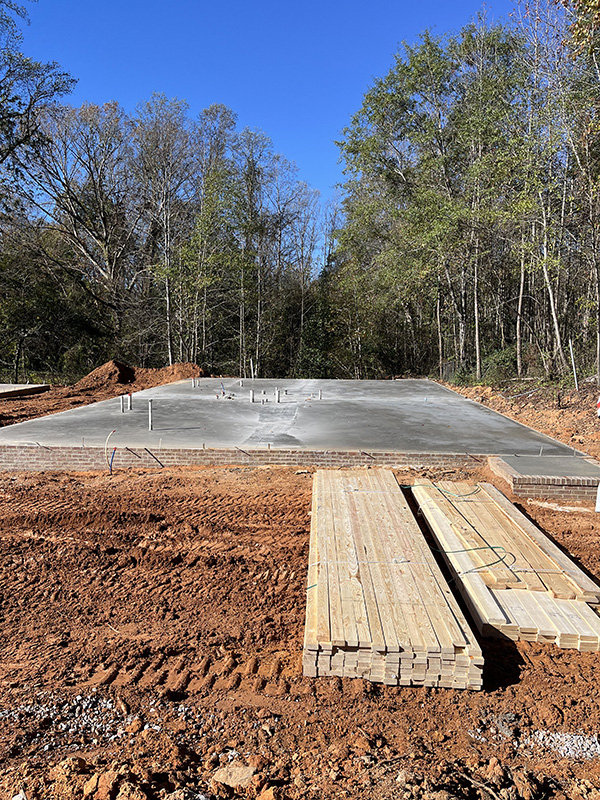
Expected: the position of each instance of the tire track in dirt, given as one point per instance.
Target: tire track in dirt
(175, 677)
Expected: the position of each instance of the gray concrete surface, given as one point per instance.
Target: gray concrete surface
(553, 466)
(20, 389)
(407, 416)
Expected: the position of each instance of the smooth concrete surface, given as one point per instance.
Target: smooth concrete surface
(8, 390)
(553, 466)
(406, 416)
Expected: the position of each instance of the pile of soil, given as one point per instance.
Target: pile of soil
(109, 380)
(567, 415)
(151, 629)
(116, 375)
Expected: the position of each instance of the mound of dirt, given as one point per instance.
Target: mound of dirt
(117, 374)
(108, 374)
(147, 378)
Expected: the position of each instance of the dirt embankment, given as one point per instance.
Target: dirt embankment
(151, 632)
(109, 380)
(567, 415)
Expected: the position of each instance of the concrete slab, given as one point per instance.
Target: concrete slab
(8, 390)
(405, 416)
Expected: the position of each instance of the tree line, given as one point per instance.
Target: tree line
(472, 209)
(155, 238)
(466, 245)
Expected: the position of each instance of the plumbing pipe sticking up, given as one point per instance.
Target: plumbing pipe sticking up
(149, 415)
(320, 394)
(276, 395)
(106, 447)
(241, 383)
(122, 403)
(129, 401)
(251, 395)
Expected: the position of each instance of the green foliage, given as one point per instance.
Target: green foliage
(500, 365)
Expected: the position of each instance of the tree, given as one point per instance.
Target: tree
(26, 86)
(80, 178)
(165, 166)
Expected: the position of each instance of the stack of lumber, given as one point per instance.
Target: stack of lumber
(378, 606)
(514, 580)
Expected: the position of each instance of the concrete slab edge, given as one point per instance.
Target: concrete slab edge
(515, 421)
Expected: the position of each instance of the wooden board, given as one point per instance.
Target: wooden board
(378, 606)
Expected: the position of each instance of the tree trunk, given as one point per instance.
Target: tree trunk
(518, 333)
(438, 317)
(169, 321)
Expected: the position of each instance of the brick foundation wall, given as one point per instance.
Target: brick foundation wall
(40, 458)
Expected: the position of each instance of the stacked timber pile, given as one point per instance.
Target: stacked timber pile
(378, 606)
(514, 580)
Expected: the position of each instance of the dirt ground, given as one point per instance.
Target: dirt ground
(151, 629)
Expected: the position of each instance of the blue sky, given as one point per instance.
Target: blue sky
(298, 71)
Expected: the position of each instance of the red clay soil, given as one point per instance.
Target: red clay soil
(151, 628)
(109, 380)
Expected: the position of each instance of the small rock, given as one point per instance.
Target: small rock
(129, 791)
(257, 762)
(102, 785)
(122, 707)
(90, 786)
(135, 726)
(269, 794)
(360, 742)
(234, 775)
(264, 713)
(404, 778)
(70, 766)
